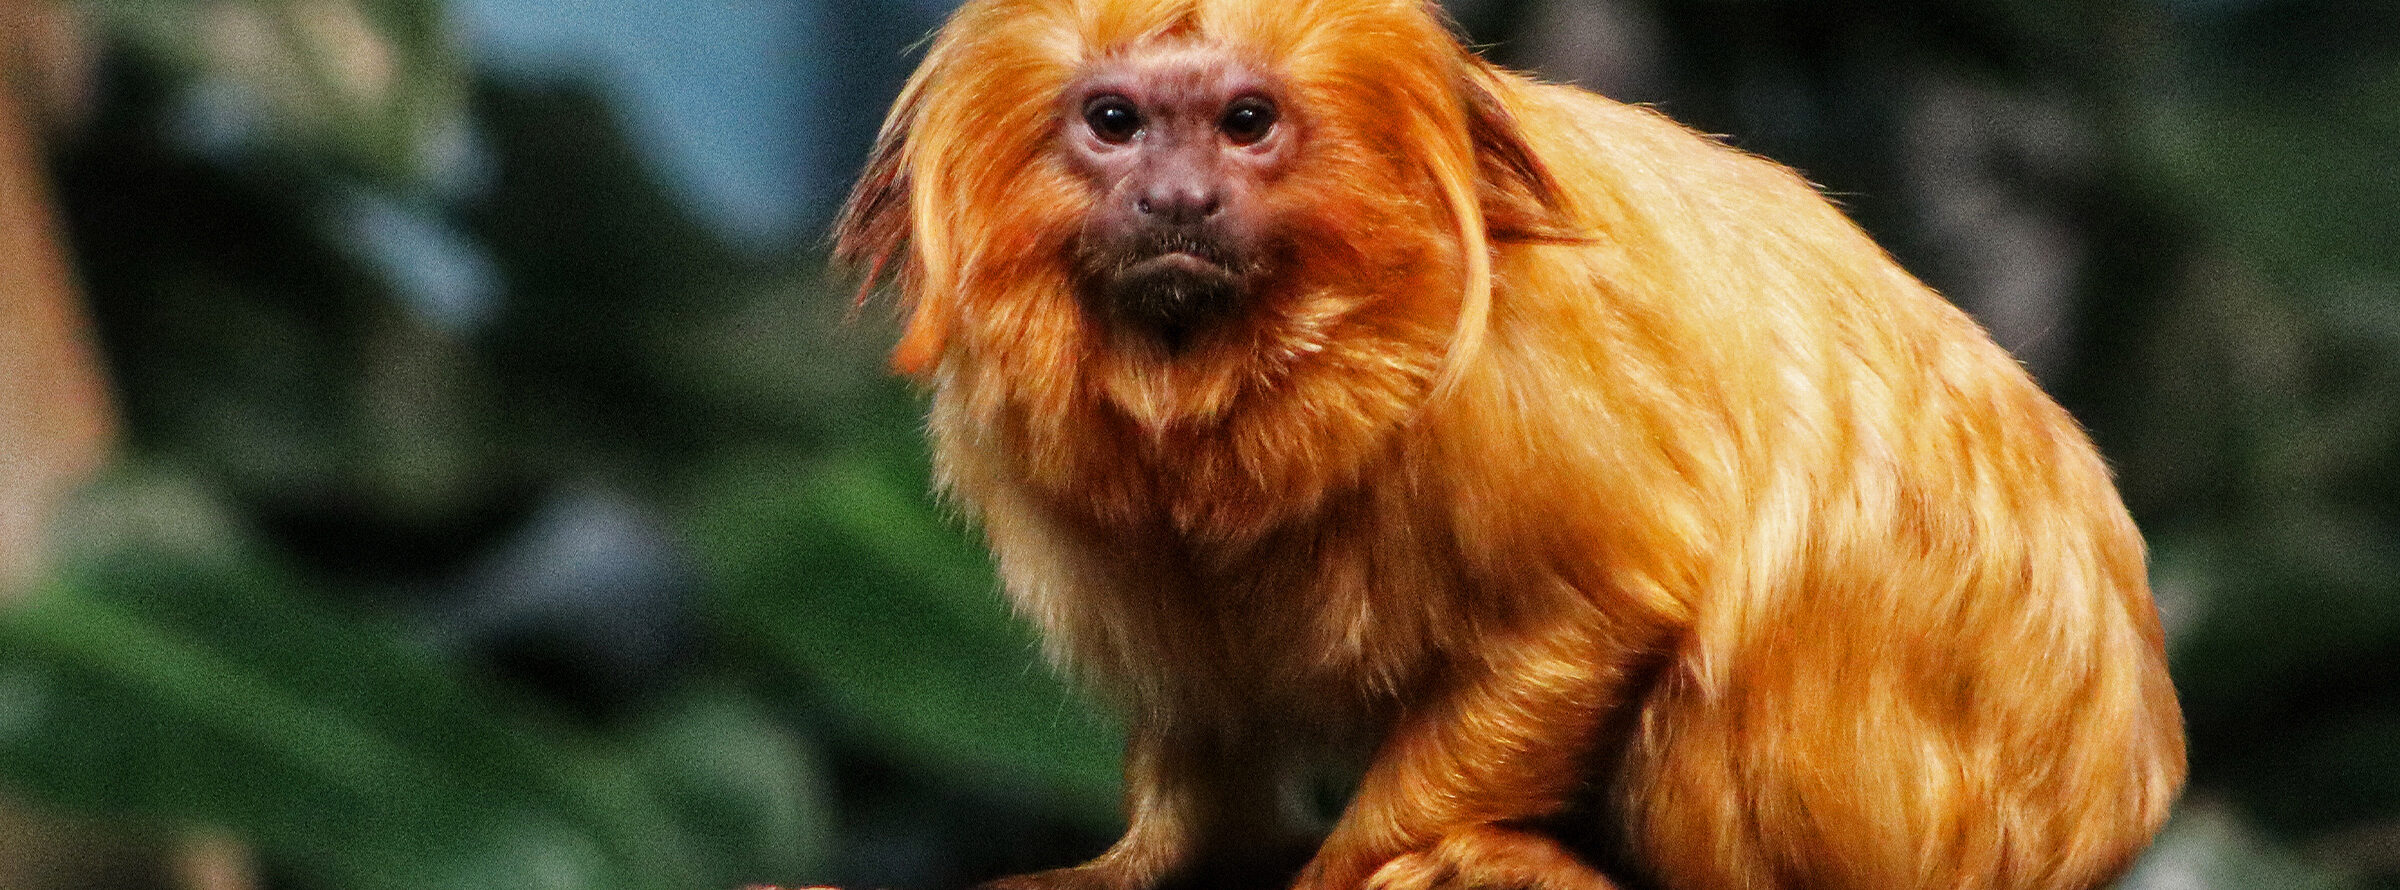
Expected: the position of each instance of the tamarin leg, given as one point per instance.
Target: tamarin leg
(1490, 857)
(1513, 743)
(1194, 800)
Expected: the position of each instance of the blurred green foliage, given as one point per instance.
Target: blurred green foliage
(376, 316)
(373, 90)
(927, 671)
(207, 688)
(333, 455)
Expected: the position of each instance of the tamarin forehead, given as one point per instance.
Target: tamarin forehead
(1401, 46)
(1271, 30)
(1172, 69)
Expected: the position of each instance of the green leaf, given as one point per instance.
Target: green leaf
(840, 568)
(193, 692)
(376, 88)
(751, 792)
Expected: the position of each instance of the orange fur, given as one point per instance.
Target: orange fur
(1642, 519)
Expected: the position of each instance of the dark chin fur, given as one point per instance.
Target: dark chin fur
(1172, 304)
(1169, 286)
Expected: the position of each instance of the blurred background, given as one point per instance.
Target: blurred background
(434, 453)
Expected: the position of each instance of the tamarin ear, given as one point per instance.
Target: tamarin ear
(873, 224)
(1521, 202)
(875, 229)
(1499, 191)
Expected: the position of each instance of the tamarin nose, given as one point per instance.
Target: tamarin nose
(1178, 201)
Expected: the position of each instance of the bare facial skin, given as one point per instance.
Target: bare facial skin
(1176, 147)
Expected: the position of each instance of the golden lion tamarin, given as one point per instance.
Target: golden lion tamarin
(1325, 392)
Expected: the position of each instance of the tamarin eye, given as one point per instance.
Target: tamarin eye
(1112, 118)
(1248, 121)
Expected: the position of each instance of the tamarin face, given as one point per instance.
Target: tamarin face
(1175, 147)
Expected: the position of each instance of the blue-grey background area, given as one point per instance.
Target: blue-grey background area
(755, 110)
